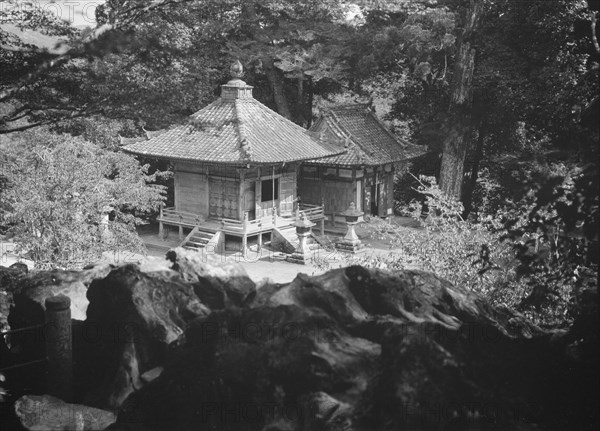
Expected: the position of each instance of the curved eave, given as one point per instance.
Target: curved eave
(223, 162)
(325, 162)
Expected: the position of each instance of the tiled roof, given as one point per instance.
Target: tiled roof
(235, 129)
(367, 141)
(129, 141)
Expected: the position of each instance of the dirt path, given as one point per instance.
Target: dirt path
(259, 266)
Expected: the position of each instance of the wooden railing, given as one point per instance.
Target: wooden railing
(171, 215)
(312, 212)
(241, 227)
(246, 226)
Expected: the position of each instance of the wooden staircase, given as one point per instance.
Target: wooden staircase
(325, 241)
(197, 239)
(316, 244)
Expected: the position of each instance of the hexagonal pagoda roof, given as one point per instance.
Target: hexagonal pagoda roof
(235, 129)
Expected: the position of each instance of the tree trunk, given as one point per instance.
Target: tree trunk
(275, 78)
(300, 100)
(468, 194)
(309, 102)
(304, 100)
(459, 124)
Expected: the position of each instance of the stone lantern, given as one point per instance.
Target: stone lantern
(106, 210)
(303, 230)
(351, 243)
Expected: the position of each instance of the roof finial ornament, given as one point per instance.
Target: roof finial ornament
(236, 70)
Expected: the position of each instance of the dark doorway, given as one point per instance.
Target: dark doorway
(375, 199)
(270, 190)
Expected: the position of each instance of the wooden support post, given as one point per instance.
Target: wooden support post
(273, 184)
(323, 220)
(241, 197)
(354, 187)
(245, 236)
(181, 237)
(321, 176)
(161, 228)
(245, 221)
(59, 348)
(260, 240)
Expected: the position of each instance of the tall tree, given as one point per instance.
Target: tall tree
(459, 123)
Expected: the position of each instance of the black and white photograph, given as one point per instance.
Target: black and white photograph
(299, 215)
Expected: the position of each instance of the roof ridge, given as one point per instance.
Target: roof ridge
(349, 135)
(277, 115)
(389, 132)
(214, 102)
(245, 147)
(348, 106)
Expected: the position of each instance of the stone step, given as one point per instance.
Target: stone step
(196, 244)
(325, 241)
(188, 247)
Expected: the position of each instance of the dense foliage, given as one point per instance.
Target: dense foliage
(66, 201)
(478, 254)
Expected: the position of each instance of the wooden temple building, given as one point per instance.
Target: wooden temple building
(363, 173)
(236, 166)
(239, 168)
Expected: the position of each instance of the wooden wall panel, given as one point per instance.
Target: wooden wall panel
(337, 196)
(249, 198)
(309, 190)
(287, 192)
(191, 193)
(223, 198)
(390, 186)
(190, 167)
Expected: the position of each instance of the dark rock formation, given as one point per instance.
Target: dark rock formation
(193, 345)
(135, 314)
(24, 294)
(365, 349)
(218, 284)
(50, 413)
(9, 281)
(32, 290)
(132, 319)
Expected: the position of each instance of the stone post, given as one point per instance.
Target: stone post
(59, 348)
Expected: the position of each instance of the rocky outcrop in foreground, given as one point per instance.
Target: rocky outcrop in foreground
(192, 345)
(50, 413)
